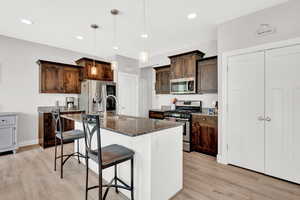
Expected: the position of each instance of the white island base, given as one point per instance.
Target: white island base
(158, 162)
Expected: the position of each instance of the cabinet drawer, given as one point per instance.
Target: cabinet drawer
(206, 120)
(6, 137)
(7, 120)
(156, 115)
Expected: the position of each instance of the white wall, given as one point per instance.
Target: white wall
(19, 81)
(240, 34)
(209, 48)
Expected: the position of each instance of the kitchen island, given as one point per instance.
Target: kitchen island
(158, 161)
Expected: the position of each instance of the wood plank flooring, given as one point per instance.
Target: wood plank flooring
(29, 175)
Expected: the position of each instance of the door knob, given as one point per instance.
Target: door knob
(268, 119)
(260, 118)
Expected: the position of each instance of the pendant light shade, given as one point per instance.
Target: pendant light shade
(114, 65)
(94, 69)
(144, 57)
(115, 13)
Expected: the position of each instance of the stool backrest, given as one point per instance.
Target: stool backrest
(91, 125)
(57, 122)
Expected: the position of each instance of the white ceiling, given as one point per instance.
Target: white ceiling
(58, 22)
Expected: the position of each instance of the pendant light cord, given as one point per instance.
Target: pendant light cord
(95, 45)
(115, 30)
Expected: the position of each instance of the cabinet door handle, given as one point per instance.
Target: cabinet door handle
(268, 119)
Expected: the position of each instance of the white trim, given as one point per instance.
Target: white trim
(28, 143)
(222, 156)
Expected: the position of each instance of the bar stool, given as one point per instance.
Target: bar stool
(65, 136)
(107, 156)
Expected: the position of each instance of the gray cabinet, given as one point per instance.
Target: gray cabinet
(8, 132)
(207, 75)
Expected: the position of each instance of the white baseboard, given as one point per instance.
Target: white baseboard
(28, 143)
(221, 159)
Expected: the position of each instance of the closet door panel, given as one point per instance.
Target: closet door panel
(283, 110)
(245, 111)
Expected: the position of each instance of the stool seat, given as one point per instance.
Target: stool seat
(70, 135)
(112, 155)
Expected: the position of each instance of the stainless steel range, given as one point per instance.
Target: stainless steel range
(183, 113)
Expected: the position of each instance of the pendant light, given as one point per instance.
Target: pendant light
(115, 12)
(144, 56)
(94, 70)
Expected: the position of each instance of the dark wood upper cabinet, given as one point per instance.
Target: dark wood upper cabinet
(71, 77)
(205, 134)
(59, 77)
(207, 75)
(184, 65)
(102, 70)
(162, 80)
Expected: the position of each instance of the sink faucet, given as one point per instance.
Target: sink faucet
(116, 100)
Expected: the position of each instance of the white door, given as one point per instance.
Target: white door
(283, 110)
(128, 94)
(246, 111)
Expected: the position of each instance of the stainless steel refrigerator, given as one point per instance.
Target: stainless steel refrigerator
(93, 98)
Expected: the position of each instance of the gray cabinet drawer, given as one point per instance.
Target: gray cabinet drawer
(7, 120)
(7, 137)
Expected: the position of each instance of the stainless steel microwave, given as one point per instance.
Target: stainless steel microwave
(183, 86)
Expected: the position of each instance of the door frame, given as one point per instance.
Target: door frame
(222, 156)
(136, 77)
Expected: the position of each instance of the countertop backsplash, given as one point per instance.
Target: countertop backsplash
(163, 100)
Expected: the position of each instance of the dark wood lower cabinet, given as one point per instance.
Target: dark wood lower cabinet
(46, 128)
(205, 134)
(156, 114)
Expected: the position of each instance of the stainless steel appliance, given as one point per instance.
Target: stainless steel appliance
(70, 102)
(183, 86)
(183, 113)
(94, 95)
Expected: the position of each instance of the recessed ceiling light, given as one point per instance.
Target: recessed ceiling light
(26, 21)
(79, 37)
(192, 16)
(144, 35)
(115, 47)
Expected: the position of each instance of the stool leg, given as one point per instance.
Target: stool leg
(87, 177)
(55, 153)
(132, 179)
(61, 158)
(100, 181)
(116, 176)
(78, 151)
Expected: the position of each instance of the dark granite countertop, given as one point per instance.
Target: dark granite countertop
(158, 110)
(49, 109)
(128, 125)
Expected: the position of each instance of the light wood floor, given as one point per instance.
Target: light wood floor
(29, 175)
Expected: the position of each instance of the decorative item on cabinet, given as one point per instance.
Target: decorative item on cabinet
(205, 134)
(59, 77)
(96, 69)
(207, 75)
(184, 65)
(162, 83)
